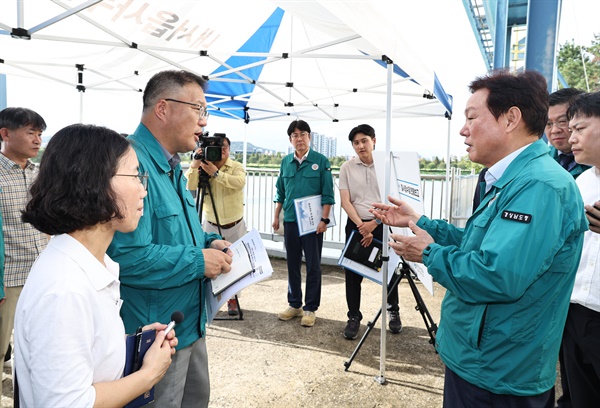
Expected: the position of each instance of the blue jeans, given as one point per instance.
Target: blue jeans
(312, 245)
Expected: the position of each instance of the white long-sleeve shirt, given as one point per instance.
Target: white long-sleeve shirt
(586, 291)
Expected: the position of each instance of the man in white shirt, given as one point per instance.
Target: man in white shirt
(581, 338)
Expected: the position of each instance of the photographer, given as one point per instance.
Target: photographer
(226, 179)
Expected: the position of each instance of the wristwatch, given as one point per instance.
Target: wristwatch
(216, 174)
(377, 221)
(325, 220)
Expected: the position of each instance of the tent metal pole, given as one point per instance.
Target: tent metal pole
(245, 149)
(81, 89)
(80, 107)
(41, 74)
(384, 278)
(62, 16)
(20, 14)
(448, 188)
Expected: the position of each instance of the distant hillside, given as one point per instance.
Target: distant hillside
(239, 146)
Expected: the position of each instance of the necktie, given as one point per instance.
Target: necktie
(565, 160)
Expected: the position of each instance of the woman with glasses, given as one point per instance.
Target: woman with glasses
(69, 338)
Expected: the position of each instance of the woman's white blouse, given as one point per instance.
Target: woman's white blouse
(68, 332)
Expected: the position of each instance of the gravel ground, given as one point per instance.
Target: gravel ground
(263, 362)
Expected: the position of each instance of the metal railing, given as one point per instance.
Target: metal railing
(260, 191)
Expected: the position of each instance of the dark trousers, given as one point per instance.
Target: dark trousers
(312, 245)
(564, 401)
(459, 393)
(581, 355)
(354, 280)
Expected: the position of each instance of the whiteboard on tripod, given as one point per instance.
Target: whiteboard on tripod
(405, 184)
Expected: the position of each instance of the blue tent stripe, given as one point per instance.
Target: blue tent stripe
(260, 41)
(438, 89)
(441, 94)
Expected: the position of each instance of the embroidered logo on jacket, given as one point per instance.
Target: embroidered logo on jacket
(515, 216)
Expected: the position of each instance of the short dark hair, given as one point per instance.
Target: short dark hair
(15, 118)
(364, 128)
(166, 81)
(587, 104)
(562, 96)
(526, 90)
(298, 124)
(72, 191)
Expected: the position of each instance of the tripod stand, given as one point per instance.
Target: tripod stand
(204, 189)
(405, 272)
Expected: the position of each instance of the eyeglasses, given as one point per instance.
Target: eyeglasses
(202, 112)
(561, 124)
(143, 177)
(297, 135)
(225, 147)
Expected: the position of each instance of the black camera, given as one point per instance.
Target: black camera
(211, 147)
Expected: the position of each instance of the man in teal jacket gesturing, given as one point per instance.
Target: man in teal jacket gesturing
(164, 261)
(510, 271)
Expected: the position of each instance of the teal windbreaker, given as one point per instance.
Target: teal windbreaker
(161, 262)
(312, 177)
(509, 276)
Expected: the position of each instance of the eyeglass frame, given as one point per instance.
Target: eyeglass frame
(565, 126)
(142, 177)
(297, 135)
(202, 112)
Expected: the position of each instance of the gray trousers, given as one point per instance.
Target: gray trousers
(186, 383)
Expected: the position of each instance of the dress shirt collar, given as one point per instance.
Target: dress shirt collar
(173, 159)
(358, 161)
(100, 276)
(303, 157)
(497, 170)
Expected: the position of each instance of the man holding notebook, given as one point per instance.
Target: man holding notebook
(302, 174)
(358, 191)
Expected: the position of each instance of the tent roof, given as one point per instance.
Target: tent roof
(318, 60)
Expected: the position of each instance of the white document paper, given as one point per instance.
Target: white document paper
(309, 212)
(405, 185)
(241, 266)
(360, 268)
(250, 261)
(365, 271)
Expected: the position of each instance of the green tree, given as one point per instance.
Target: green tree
(571, 58)
(337, 161)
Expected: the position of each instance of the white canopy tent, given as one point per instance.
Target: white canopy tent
(320, 63)
(315, 60)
